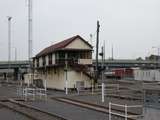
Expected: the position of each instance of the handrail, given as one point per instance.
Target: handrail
(125, 115)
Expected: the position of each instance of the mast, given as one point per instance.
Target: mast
(97, 47)
(30, 31)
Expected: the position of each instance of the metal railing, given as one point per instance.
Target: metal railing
(32, 92)
(99, 89)
(125, 115)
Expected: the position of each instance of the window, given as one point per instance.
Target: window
(50, 59)
(61, 55)
(37, 62)
(43, 61)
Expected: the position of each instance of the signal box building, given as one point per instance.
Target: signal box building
(69, 60)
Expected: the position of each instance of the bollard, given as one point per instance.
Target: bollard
(102, 92)
(92, 89)
(109, 110)
(66, 87)
(125, 112)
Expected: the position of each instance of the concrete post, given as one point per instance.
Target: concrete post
(66, 79)
(110, 111)
(125, 112)
(102, 92)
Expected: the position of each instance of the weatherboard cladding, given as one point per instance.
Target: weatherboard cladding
(60, 46)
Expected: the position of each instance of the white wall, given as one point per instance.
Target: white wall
(74, 76)
(46, 57)
(53, 58)
(56, 78)
(78, 44)
(85, 61)
(40, 62)
(147, 75)
(35, 63)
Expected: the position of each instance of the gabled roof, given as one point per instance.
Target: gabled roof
(60, 45)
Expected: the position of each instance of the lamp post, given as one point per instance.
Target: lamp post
(102, 71)
(15, 53)
(9, 44)
(30, 38)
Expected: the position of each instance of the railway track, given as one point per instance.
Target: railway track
(95, 107)
(30, 111)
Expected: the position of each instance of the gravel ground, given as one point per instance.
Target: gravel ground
(7, 114)
(71, 112)
(96, 99)
(67, 110)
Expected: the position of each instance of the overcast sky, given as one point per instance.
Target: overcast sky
(131, 26)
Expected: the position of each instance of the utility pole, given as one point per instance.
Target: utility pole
(30, 31)
(102, 54)
(97, 47)
(91, 36)
(112, 52)
(15, 53)
(158, 57)
(9, 44)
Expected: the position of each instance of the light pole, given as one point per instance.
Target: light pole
(102, 72)
(15, 53)
(30, 30)
(9, 44)
(30, 37)
(97, 48)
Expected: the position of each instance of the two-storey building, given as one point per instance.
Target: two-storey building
(69, 60)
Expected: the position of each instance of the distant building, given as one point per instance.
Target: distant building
(71, 59)
(153, 58)
(147, 74)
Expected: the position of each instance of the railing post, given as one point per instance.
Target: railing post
(110, 111)
(34, 94)
(92, 86)
(125, 112)
(102, 92)
(26, 93)
(117, 87)
(78, 90)
(66, 87)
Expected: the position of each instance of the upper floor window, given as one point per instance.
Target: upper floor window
(37, 62)
(61, 55)
(50, 59)
(43, 61)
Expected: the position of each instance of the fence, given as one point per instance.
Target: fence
(99, 89)
(33, 93)
(32, 90)
(125, 115)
